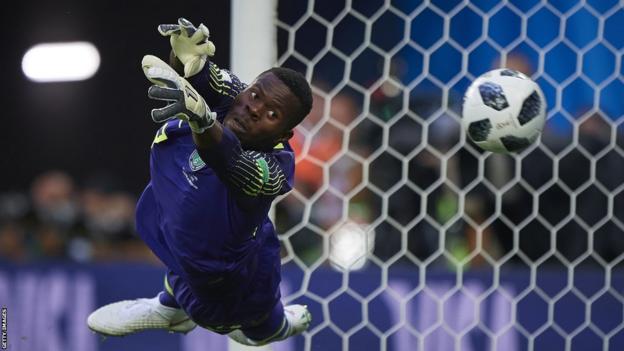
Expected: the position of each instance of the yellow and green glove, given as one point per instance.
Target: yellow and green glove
(183, 101)
(190, 44)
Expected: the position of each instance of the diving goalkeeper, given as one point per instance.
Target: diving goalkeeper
(216, 165)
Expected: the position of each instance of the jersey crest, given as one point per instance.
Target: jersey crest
(195, 162)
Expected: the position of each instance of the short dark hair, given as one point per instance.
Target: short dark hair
(300, 87)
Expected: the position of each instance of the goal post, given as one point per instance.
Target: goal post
(253, 39)
(253, 51)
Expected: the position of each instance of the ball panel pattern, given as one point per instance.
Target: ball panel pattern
(514, 144)
(508, 72)
(530, 108)
(480, 130)
(493, 96)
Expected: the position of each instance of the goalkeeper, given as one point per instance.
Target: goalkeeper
(216, 165)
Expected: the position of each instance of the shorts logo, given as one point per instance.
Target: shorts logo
(195, 162)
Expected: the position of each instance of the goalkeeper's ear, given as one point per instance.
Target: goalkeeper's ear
(175, 63)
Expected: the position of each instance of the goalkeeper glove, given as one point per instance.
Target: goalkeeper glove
(190, 44)
(183, 101)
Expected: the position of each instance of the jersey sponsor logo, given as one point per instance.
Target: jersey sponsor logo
(191, 179)
(195, 162)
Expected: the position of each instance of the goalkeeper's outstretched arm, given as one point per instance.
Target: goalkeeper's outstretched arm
(251, 174)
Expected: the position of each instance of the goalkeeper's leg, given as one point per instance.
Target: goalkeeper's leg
(132, 316)
(283, 322)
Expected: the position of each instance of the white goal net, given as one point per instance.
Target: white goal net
(401, 235)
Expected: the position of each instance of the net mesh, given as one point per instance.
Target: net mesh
(467, 250)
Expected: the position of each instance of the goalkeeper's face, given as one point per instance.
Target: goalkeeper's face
(260, 115)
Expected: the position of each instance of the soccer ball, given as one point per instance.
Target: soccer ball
(504, 111)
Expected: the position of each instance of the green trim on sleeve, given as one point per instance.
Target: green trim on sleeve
(257, 175)
(161, 135)
(263, 167)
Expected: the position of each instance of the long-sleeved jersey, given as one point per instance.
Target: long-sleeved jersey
(204, 214)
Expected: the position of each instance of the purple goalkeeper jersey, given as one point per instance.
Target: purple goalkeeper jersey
(205, 215)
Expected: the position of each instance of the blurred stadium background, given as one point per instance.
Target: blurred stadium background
(400, 235)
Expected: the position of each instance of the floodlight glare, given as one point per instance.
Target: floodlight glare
(58, 62)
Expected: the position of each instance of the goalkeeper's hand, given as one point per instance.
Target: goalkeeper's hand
(183, 101)
(190, 44)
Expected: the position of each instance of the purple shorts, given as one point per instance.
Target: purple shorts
(253, 306)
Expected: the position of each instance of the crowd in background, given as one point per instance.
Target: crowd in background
(389, 163)
(395, 186)
(392, 185)
(59, 219)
